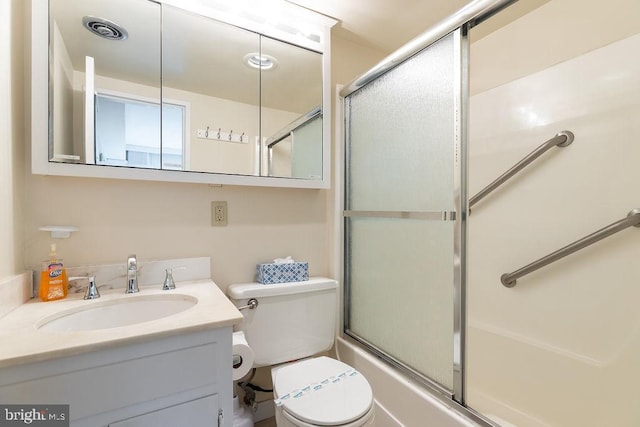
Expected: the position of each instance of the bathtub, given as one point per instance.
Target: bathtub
(530, 383)
(399, 400)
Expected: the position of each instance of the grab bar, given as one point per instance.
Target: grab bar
(632, 219)
(562, 139)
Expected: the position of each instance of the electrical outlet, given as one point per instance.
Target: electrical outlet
(219, 214)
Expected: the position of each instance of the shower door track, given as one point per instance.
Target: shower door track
(470, 15)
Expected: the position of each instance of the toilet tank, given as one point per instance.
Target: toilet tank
(292, 320)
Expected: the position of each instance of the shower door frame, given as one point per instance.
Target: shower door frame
(459, 24)
(458, 216)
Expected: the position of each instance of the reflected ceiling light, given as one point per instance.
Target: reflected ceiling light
(279, 15)
(104, 28)
(260, 61)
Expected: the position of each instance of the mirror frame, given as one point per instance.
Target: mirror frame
(40, 164)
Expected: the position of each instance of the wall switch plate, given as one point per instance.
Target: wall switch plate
(219, 213)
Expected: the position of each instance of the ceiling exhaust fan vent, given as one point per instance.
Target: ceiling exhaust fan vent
(104, 28)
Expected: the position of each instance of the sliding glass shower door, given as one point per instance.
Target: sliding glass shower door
(405, 213)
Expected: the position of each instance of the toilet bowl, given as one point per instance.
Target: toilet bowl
(294, 321)
(321, 392)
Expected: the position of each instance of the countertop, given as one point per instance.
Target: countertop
(23, 342)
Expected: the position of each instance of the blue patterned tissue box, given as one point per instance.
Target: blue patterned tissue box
(283, 272)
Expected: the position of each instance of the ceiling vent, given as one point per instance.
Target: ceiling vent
(104, 28)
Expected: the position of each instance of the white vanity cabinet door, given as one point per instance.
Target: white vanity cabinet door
(186, 377)
(197, 413)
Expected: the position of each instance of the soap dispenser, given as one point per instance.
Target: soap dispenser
(54, 283)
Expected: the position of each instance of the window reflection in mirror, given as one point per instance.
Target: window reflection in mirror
(128, 133)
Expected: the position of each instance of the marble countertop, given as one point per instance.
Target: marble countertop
(22, 342)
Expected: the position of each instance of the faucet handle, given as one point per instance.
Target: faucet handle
(132, 262)
(168, 280)
(92, 290)
(169, 283)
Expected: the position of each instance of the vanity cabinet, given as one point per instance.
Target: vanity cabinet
(199, 412)
(183, 379)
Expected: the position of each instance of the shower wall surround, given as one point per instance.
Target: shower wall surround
(561, 348)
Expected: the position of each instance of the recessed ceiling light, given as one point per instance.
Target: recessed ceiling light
(260, 61)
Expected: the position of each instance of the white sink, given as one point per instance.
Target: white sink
(115, 313)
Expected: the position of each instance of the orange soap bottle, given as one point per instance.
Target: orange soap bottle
(54, 283)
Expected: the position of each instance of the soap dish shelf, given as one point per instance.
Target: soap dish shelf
(59, 231)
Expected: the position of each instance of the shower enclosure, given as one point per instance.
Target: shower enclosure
(544, 329)
(405, 205)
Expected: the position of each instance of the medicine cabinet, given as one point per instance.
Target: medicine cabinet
(188, 91)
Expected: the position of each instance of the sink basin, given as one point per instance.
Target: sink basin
(123, 311)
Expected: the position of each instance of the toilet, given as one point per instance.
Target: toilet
(292, 322)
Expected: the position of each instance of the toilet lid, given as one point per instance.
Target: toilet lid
(322, 391)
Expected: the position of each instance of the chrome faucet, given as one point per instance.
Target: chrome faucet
(132, 275)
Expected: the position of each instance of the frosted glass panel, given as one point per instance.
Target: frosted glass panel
(401, 133)
(401, 275)
(403, 155)
(307, 150)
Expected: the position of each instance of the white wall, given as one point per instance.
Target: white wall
(165, 220)
(560, 348)
(12, 137)
(555, 32)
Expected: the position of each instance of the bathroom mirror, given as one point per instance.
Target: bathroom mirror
(203, 66)
(294, 108)
(105, 86)
(136, 84)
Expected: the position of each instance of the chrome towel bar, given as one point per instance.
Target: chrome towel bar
(562, 139)
(632, 219)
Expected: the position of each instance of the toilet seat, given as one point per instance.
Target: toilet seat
(322, 392)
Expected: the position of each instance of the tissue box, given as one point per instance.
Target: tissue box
(283, 272)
